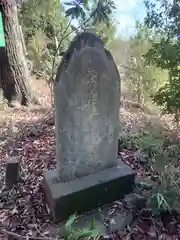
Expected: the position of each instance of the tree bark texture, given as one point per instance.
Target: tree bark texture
(14, 75)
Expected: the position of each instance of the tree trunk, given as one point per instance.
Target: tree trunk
(14, 75)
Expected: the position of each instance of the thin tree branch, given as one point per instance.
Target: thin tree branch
(59, 45)
(66, 36)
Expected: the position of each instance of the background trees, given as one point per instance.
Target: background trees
(148, 61)
(142, 80)
(163, 18)
(47, 28)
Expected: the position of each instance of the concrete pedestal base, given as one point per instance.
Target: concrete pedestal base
(87, 193)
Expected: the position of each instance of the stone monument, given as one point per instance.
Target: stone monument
(87, 101)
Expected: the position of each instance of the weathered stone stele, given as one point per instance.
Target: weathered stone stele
(87, 98)
(87, 101)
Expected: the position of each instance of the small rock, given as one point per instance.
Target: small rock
(119, 222)
(135, 201)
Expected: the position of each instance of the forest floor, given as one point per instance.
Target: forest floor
(29, 134)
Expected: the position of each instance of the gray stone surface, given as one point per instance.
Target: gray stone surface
(135, 201)
(87, 101)
(87, 193)
(120, 221)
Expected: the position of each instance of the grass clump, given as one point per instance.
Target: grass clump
(165, 192)
(146, 144)
(72, 233)
(164, 177)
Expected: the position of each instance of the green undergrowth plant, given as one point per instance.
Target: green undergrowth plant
(147, 144)
(72, 233)
(162, 187)
(165, 193)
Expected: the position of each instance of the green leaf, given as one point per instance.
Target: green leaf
(162, 203)
(102, 12)
(86, 233)
(70, 222)
(75, 12)
(93, 224)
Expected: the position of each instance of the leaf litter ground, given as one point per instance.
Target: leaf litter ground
(23, 210)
